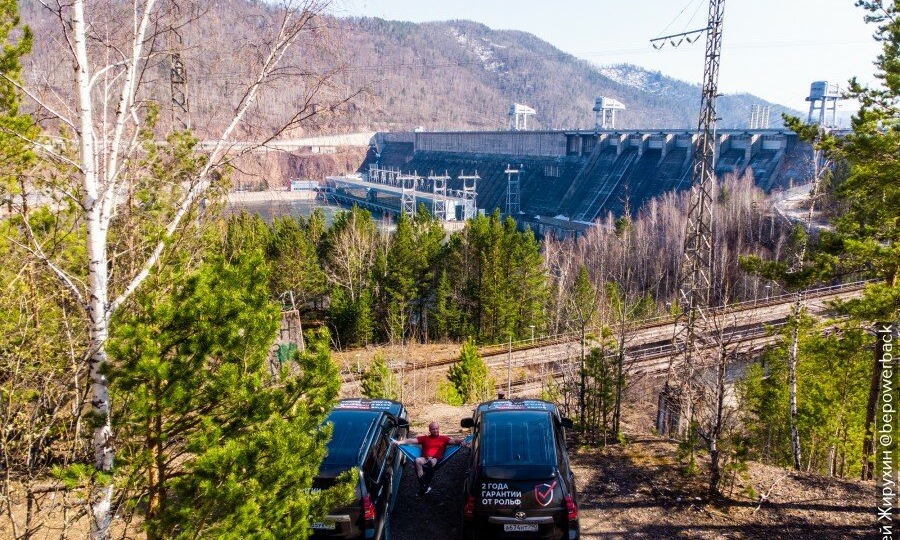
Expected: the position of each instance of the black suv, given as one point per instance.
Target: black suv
(363, 429)
(519, 483)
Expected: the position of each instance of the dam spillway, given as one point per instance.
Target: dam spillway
(568, 179)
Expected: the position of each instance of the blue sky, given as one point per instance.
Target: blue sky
(771, 48)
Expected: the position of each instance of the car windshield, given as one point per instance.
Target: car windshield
(517, 439)
(350, 428)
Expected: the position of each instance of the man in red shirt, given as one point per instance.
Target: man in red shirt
(433, 446)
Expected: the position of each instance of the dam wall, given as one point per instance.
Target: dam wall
(576, 177)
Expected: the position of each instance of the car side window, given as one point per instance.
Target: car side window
(560, 448)
(370, 464)
(381, 447)
(380, 450)
(389, 429)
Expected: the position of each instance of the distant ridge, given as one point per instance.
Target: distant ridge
(451, 75)
(462, 74)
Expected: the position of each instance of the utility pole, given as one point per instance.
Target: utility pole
(695, 281)
(509, 368)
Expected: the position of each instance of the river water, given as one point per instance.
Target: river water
(280, 206)
(268, 210)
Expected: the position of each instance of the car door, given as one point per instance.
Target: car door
(383, 452)
(565, 470)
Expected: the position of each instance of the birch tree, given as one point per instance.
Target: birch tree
(105, 119)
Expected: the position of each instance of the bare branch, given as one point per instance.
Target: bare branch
(102, 71)
(287, 34)
(123, 110)
(38, 252)
(765, 496)
(45, 148)
(39, 102)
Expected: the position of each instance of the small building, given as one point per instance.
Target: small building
(304, 185)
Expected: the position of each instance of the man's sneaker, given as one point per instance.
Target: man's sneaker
(428, 490)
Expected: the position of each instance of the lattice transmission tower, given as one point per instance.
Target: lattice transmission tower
(695, 295)
(513, 191)
(181, 117)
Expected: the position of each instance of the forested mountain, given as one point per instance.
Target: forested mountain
(393, 75)
(457, 74)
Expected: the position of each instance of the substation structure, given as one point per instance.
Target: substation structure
(388, 190)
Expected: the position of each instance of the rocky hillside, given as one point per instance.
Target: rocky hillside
(393, 75)
(462, 74)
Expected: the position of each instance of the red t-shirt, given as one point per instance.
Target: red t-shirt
(433, 447)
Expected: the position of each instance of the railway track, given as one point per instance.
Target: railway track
(648, 345)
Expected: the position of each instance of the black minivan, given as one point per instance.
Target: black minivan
(519, 483)
(361, 437)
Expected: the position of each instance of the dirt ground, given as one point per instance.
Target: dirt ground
(635, 491)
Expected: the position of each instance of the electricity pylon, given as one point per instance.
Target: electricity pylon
(181, 118)
(695, 295)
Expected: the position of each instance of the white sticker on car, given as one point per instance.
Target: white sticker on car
(499, 494)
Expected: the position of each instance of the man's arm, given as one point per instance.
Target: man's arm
(460, 442)
(411, 440)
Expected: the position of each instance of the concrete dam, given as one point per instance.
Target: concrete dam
(567, 179)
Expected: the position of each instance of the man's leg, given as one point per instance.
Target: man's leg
(421, 468)
(428, 473)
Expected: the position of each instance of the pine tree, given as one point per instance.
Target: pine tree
(530, 291)
(444, 314)
(401, 271)
(499, 279)
(469, 376)
(295, 264)
(15, 129)
(378, 381)
(244, 233)
(600, 394)
(430, 237)
(364, 324)
(206, 437)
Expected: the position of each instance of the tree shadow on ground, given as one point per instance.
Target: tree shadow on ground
(637, 491)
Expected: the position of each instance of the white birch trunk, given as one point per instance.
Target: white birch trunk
(101, 498)
(99, 204)
(792, 383)
(799, 304)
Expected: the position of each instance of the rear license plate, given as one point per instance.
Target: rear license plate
(520, 527)
(323, 525)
